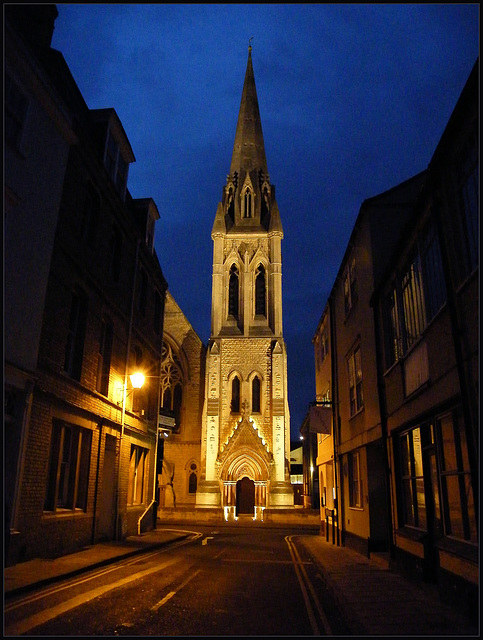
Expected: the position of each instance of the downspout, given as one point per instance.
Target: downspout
(155, 464)
(96, 490)
(384, 436)
(456, 335)
(123, 414)
(335, 408)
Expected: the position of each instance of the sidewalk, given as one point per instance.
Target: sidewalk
(373, 599)
(377, 601)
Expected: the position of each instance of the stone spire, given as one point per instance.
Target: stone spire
(249, 149)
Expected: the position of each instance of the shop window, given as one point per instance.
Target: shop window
(412, 478)
(458, 506)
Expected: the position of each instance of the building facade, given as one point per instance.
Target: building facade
(84, 309)
(181, 399)
(245, 448)
(426, 310)
(396, 372)
(346, 379)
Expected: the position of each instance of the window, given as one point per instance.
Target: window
(247, 203)
(16, 105)
(432, 268)
(68, 468)
(467, 188)
(415, 297)
(458, 507)
(355, 381)
(256, 395)
(233, 292)
(392, 328)
(413, 301)
(235, 395)
(171, 383)
(193, 478)
(104, 360)
(74, 348)
(90, 215)
(115, 254)
(143, 292)
(260, 302)
(350, 287)
(355, 490)
(116, 165)
(413, 497)
(137, 470)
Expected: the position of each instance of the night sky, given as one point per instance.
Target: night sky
(353, 100)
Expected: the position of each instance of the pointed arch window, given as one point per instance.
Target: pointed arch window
(193, 478)
(235, 395)
(256, 387)
(247, 203)
(171, 382)
(260, 290)
(233, 292)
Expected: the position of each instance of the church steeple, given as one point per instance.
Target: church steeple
(246, 419)
(249, 148)
(248, 201)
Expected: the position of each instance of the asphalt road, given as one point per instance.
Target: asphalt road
(225, 581)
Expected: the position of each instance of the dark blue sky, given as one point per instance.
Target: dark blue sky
(353, 100)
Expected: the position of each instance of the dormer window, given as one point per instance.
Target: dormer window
(115, 164)
(116, 150)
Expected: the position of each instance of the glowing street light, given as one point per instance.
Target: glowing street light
(137, 380)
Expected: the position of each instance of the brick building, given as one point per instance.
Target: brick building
(84, 297)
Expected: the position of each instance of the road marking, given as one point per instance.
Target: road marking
(173, 593)
(21, 627)
(303, 579)
(205, 540)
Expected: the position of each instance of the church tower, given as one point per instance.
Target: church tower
(246, 423)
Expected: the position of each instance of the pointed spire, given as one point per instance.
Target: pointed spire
(249, 148)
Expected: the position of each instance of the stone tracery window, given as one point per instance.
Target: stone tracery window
(171, 383)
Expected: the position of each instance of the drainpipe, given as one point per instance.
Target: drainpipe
(155, 465)
(335, 410)
(384, 435)
(96, 491)
(123, 414)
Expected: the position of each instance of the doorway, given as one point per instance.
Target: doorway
(245, 496)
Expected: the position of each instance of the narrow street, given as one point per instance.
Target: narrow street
(221, 581)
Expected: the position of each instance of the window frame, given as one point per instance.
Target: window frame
(69, 467)
(136, 491)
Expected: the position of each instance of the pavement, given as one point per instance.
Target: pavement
(372, 599)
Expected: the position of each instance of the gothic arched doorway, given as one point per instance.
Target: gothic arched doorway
(245, 496)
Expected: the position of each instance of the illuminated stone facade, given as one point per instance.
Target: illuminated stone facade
(245, 446)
